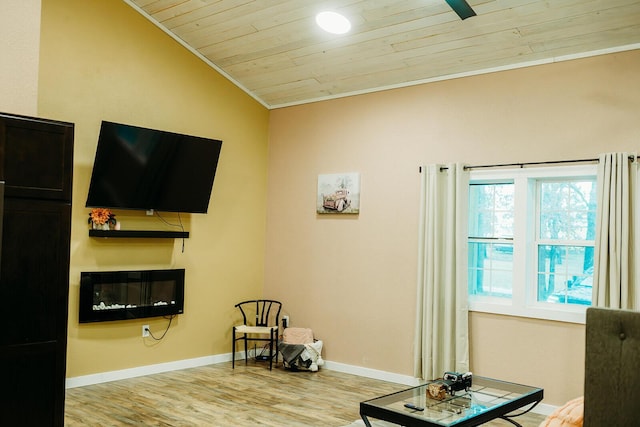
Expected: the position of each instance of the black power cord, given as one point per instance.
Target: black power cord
(180, 225)
(165, 332)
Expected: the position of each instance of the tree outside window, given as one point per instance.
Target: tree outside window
(565, 240)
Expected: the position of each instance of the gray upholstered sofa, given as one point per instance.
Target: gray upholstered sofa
(612, 368)
(612, 374)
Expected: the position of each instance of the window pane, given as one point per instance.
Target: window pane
(568, 209)
(491, 210)
(565, 274)
(490, 269)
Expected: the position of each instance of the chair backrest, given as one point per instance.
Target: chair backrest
(612, 377)
(260, 312)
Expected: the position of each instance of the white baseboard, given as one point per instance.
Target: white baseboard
(544, 409)
(140, 371)
(372, 373)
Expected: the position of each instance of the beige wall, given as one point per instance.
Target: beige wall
(20, 44)
(352, 279)
(101, 60)
(530, 351)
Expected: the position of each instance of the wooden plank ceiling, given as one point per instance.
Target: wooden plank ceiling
(275, 52)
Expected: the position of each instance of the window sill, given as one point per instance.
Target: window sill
(543, 312)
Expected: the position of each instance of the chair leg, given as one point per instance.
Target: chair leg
(233, 348)
(271, 341)
(246, 354)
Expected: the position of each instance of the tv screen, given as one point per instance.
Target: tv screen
(146, 169)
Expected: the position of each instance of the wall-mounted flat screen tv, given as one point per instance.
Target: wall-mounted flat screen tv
(147, 169)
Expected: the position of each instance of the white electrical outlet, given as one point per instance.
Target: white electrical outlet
(285, 321)
(145, 331)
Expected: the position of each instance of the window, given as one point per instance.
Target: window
(490, 246)
(531, 241)
(565, 240)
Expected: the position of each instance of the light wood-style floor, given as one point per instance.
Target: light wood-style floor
(216, 395)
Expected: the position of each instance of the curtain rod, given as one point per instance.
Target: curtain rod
(524, 164)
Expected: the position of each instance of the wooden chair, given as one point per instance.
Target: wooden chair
(260, 320)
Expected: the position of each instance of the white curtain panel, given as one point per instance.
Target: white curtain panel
(614, 277)
(442, 331)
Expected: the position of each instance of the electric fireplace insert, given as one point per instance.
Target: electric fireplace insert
(123, 295)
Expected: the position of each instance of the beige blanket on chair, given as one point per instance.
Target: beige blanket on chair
(297, 336)
(309, 357)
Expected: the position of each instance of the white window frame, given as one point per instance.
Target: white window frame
(523, 301)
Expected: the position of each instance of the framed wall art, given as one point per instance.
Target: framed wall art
(338, 193)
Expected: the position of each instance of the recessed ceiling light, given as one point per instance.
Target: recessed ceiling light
(333, 22)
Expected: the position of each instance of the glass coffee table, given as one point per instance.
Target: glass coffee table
(487, 399)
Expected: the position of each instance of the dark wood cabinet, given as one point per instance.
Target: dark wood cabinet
(37, 158)
(36, 164)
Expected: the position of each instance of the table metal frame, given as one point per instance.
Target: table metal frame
(516, 396)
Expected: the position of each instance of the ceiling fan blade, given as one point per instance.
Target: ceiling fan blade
(462, 8)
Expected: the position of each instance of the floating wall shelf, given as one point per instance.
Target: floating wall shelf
(149, 234)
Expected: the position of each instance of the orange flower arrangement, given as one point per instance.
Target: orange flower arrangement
(102, 216)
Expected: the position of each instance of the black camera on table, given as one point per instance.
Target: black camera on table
(455, 381)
